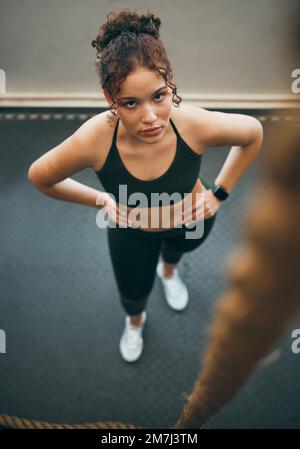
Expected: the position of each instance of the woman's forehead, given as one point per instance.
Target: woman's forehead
(146, 82)
(141, 75)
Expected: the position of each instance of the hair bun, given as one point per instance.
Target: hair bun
(126, 21)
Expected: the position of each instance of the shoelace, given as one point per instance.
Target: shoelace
(173, 286)
(133, 337)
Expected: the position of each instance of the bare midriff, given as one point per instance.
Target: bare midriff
(155, 219)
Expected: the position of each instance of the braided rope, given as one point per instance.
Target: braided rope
(20, 423)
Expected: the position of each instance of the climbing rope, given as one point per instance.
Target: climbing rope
(14, 422)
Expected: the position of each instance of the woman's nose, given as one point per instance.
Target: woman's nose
(149, 117)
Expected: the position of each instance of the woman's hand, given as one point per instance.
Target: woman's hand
(116, 213)
(206, 205)
(212, 204)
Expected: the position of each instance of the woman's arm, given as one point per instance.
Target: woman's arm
(73, 192)
(243, 132)
(50, 174)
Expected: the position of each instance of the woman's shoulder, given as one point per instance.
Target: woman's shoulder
(217, 128)
(191, 121)
(99, 135)
(99, 123)
(185, 114)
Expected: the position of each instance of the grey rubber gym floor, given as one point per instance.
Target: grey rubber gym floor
(62, 317)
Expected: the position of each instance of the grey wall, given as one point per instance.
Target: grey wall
(215, 46)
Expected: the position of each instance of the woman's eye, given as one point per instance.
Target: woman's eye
(159, 95)
(130, 104)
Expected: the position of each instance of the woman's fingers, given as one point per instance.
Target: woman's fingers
(122, 217)
(200, 210)
(116, 214)
(195, 214)
(189, 207)
(111, 211)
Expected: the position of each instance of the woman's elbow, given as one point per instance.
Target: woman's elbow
(30, 174)
(258, 131)
(34, 175)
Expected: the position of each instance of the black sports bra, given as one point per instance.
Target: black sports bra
(180, 177)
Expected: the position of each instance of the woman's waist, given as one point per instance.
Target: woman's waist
(155, 219)
(170, 215)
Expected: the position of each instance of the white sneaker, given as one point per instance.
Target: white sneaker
(176, 293)
(131, 343)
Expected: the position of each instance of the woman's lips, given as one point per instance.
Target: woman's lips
(152, 133)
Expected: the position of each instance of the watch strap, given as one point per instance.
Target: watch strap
(219, 192)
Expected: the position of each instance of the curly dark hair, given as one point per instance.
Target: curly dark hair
(126, 41)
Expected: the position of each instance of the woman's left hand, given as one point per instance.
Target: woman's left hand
(206, 206)
(211, 204)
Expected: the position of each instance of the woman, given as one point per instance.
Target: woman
(138, 84)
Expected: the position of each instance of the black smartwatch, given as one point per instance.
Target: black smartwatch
(219, 192)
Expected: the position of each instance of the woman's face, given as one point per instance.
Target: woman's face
(144, 101)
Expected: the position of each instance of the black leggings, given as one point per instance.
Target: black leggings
(134, 254)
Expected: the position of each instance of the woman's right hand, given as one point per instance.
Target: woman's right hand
(116, 213)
